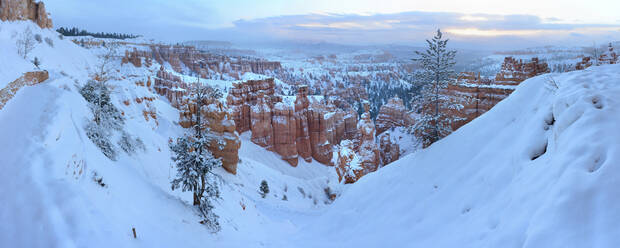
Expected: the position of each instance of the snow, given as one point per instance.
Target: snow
(538, 170)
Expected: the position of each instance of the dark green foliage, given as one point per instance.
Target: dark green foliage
(195, 167)
(106, 117)
(264, 188)
(78, 32)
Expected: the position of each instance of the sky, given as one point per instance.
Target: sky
(493, 24)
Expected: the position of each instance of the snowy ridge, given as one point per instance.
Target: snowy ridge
(538, 170)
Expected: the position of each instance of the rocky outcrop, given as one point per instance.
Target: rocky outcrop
(225, 143)
(262, 129)
(347, 163)
(370, 157)
(28, 79)
(301, 118)
(513, 71)
(285, 132)
(244, 95)
(132, 57)
(393, 114)
(23, 10)
(609, 57)
(171, 86)
(478, 95)
(584, 63)
(390, 150)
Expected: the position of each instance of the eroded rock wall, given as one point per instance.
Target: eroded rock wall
(23, 10)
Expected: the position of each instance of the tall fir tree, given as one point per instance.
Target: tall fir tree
(196, 164)
(429, 100)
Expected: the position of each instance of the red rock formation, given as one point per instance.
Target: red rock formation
(170, 86)
(391, 115)
(317, 128)
(368, 150)
(390, 151)
(244, 95)
(223, 132)
(347, 163)
(608, 57)
(514, 72)
(584, 63)
(262, 130)
(285, 132)
(22, 10)
(301, 117)
(132, 57)
(478, 95)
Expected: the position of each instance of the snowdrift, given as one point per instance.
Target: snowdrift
(541, 169)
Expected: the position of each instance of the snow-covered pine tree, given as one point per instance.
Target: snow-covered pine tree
(431, 103)
(195, 163)
(106, 117)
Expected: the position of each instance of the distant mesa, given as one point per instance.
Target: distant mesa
(23, 10)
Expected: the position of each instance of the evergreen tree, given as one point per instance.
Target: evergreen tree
(264, 188)
(106, 117)
(195, 163)
(431, 103)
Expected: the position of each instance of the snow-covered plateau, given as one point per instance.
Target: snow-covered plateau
(540, 169)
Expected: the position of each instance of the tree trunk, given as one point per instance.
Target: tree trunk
(196, 199)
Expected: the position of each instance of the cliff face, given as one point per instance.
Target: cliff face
(23, 10)
(478, 95)
(513, 71)
(393, 114)
(195, 61)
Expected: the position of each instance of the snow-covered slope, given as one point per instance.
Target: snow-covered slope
(490, 185)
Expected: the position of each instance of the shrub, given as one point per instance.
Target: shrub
(49, 42)
(99, 136)
(264, 188)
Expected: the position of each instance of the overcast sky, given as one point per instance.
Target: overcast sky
(471, 23)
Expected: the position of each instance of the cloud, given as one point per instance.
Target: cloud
(408, 27)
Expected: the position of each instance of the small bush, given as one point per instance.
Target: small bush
(130, 145)
(99, 180)
(36, 62)
(264, 188)
(284, 198)
(38, 38)
(303, 193)
(49, 42)
(99, 137)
